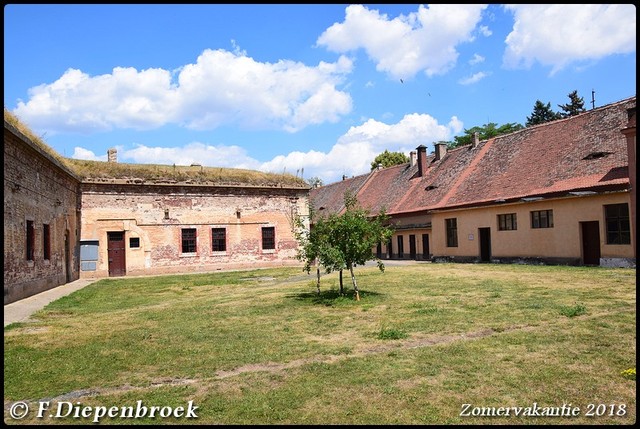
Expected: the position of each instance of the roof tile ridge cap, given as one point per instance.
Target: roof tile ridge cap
(365, 184)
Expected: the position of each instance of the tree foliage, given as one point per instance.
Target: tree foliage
(485, 132)
(542, 113)
(574, 107)
(315, 182)
(388, 159)
(343, 241)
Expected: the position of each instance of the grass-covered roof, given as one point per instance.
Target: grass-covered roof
(100, 172)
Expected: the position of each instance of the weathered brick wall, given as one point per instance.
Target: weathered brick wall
(38, 189)
(156, 214)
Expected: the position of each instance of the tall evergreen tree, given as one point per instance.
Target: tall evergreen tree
(542, 113)
(575, 106)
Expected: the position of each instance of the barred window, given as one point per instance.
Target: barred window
(542, 219)
(189, 240)
(134, 242)
(507, 222)
(219, 239)
(617, 220)
(268, 238)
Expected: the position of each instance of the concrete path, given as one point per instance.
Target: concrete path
(20, 311)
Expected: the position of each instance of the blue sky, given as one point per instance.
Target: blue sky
(312, 90)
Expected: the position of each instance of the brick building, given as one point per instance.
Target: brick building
(41, 215)
(67, 219)
(560, 192)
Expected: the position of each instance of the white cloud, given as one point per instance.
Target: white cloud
(86, 154)
(484, 30)
(558, 35)
(196, 152)
(425, 40)
(477, 59)
(477, 77)
(352, 153)
(220, 88)
(356, 149)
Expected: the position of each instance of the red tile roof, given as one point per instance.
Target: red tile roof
(586, 152)
(330, 198)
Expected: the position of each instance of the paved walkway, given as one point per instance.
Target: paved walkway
(21, 311)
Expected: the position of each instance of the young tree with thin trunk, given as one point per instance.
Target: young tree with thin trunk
(354, 234)
(343, 241)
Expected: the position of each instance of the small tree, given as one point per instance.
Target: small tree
(315, 182)
(314, 247)
(574, 107)
(542, 113)
(388, 159)
(342, 241)
(354, 234)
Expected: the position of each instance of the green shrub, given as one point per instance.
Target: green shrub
(391, 334)
(572, 311)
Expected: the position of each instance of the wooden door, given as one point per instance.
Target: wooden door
(116, 253)
(590, 243)
(485, 244)
(412, 246)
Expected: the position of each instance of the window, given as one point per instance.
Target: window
(452, 232)
(507, 222)
(218, 239)
(88, 255)
(542, 219)
(46, 242)
(31, 235)
(400, 246)
(617, 220)
(189, 240)
(134, 242)
(268, 238)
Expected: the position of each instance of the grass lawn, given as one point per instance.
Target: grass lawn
(260, 347)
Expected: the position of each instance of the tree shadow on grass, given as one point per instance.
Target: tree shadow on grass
(332, 297)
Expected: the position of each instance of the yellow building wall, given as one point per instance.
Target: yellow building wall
(405, 227)
(562, 241)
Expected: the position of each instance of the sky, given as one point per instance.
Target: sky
(315, 90)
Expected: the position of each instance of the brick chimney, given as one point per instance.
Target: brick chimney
(112, 155)
(412, 157)
(441, 151)
(475, 139)
(422, 160)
